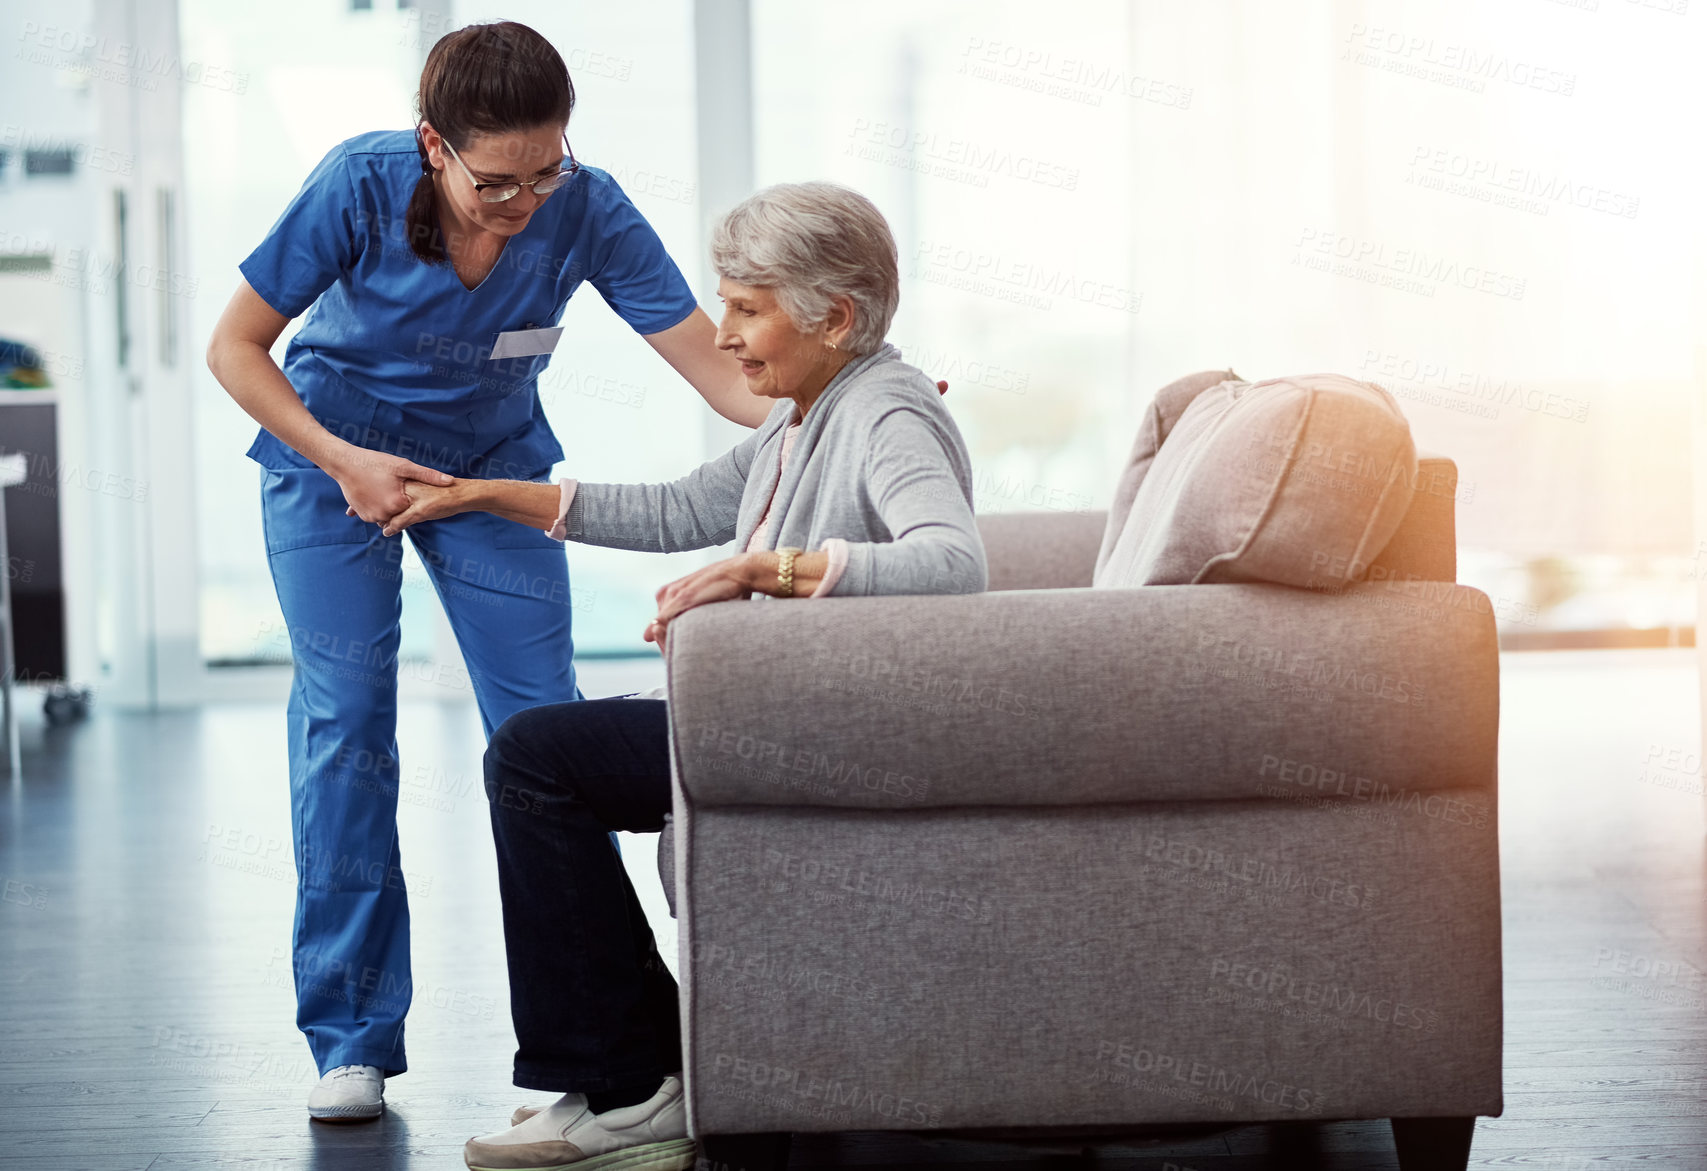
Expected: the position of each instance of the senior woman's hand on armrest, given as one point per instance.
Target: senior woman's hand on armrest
(733, 577)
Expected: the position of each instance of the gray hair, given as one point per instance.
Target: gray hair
(811, 243)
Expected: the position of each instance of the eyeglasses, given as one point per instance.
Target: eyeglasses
(510, 188)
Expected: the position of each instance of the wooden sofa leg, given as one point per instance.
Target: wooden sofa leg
(744, 1152)
(1433, 1144)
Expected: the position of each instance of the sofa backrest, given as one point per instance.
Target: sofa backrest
(1038, 550)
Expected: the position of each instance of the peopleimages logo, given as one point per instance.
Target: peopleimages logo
(1232, 872)
(1372, 260)
(889, 674)
(94, 158)
(1341, 783)
(768, 972)
(120, 61)
(831, 1093)
(950, 156)
(1316, 671)
(1434, 374)
(1020, 282)
(1466, 66)
(1074, 79)
(876, 887)
(1211, 1079)
(831, 776)
(1491, 174)
(957, 369)
(45, 475)
(1279, 982)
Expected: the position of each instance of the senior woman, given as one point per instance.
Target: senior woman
(858, 482)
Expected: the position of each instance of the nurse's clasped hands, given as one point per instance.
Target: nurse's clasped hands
(373, 482)
(429, 501)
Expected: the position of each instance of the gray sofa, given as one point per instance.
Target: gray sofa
(1052, 856)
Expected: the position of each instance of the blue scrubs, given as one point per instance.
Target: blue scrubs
(393, 355)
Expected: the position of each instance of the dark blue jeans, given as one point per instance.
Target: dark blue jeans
(593, 1005)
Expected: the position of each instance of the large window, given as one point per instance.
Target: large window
(1484, 208)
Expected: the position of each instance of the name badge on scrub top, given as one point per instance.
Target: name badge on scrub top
(526, 343)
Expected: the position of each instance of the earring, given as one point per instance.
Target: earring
(832, 345)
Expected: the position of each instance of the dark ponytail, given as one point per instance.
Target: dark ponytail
(482, 79)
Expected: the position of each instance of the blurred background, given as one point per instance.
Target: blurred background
(1492, 210)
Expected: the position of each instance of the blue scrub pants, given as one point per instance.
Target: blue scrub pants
(505, 589)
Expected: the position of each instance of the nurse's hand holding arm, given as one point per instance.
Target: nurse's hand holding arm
(523, 501)
(537, 505)
(240, 356)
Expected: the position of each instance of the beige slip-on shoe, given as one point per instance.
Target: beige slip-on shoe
(567, 1136)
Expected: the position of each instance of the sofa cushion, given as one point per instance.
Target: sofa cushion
(1165, 410)
(1297, 481)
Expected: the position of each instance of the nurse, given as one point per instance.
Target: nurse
(428, 267)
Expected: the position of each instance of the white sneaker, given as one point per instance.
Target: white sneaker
(350, 1093)
(566, 1136)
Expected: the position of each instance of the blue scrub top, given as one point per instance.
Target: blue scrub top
(393, 353)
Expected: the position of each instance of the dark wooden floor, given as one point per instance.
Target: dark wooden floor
(147, 886)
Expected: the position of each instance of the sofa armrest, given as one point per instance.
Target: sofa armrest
(1067, 697)
(1041, 550)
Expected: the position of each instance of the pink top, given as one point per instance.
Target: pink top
(836, 547)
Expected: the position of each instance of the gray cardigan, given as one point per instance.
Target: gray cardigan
(877, 462)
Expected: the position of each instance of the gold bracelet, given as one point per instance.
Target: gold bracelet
(785, 571)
